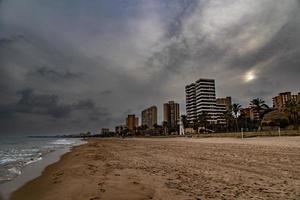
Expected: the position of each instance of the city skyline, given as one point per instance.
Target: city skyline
(68, 67)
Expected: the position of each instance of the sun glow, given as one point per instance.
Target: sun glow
(249, 76)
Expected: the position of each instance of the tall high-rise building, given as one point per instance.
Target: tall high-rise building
(131, 122)
(171, 113)
(200, 98)
(279, 102)
(191, 109)
(149, 116)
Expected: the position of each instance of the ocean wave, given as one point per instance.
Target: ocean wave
(33, 160)
(7, 160)
(63, 142)
(15, 171)
(13, 158)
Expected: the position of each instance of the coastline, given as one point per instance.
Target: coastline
(34, 170)
(182, 168)
(30, 189)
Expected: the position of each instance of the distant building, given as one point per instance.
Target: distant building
(225, 101)
(201, 97)
(279, 102)
(171, 113)
(220, 111)
(119, 129)
(132, 122)
(222, 105)
(149, 116)
(250, 113)
(104, 131)
(137, 122)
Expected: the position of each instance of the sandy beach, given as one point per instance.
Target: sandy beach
(172, 168)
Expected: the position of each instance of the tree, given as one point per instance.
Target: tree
(202, 120)
(124, 132)
(259, 106)
(293, 111)
(229, 118)
(236, 110)
(165, 127)
(195, 125)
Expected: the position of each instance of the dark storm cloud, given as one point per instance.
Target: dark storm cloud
(4, 40)
(8, 39)
(42, 104)
(285, 40)
(33, 111)
(89, 64)
(47, 104)
(85, 104)
(47, 72)
(106, 92)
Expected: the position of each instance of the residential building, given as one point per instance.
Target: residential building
(225, 101)
(131, 122)
(104, 131)
(201, 97)
(137, 122)
(119, 129)
(279, 102)
(171, 114)
(149, 116)
(250, 113)
(191, 109)
(220, 111)
(222, 105)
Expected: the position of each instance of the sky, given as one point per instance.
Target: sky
(68, 66)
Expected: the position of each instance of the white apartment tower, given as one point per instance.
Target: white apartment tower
(201, 97)
(191, 109)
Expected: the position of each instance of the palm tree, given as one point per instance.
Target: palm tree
(259, 105)
(293, 111)
(236, 109)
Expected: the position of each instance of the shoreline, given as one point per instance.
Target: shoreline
(46, 170)
(30, 172)
(33, 171)
(182, 168)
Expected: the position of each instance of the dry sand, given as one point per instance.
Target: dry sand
(182, 168)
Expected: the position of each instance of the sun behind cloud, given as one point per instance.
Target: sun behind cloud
(250, 76)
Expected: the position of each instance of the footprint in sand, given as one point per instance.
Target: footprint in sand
(94, 198)
(101, 184)
(102, 190)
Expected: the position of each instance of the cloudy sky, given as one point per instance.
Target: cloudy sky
(74, 65)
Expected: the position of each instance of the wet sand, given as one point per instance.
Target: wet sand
(178, 168)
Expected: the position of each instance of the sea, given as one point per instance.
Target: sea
(18, 152)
